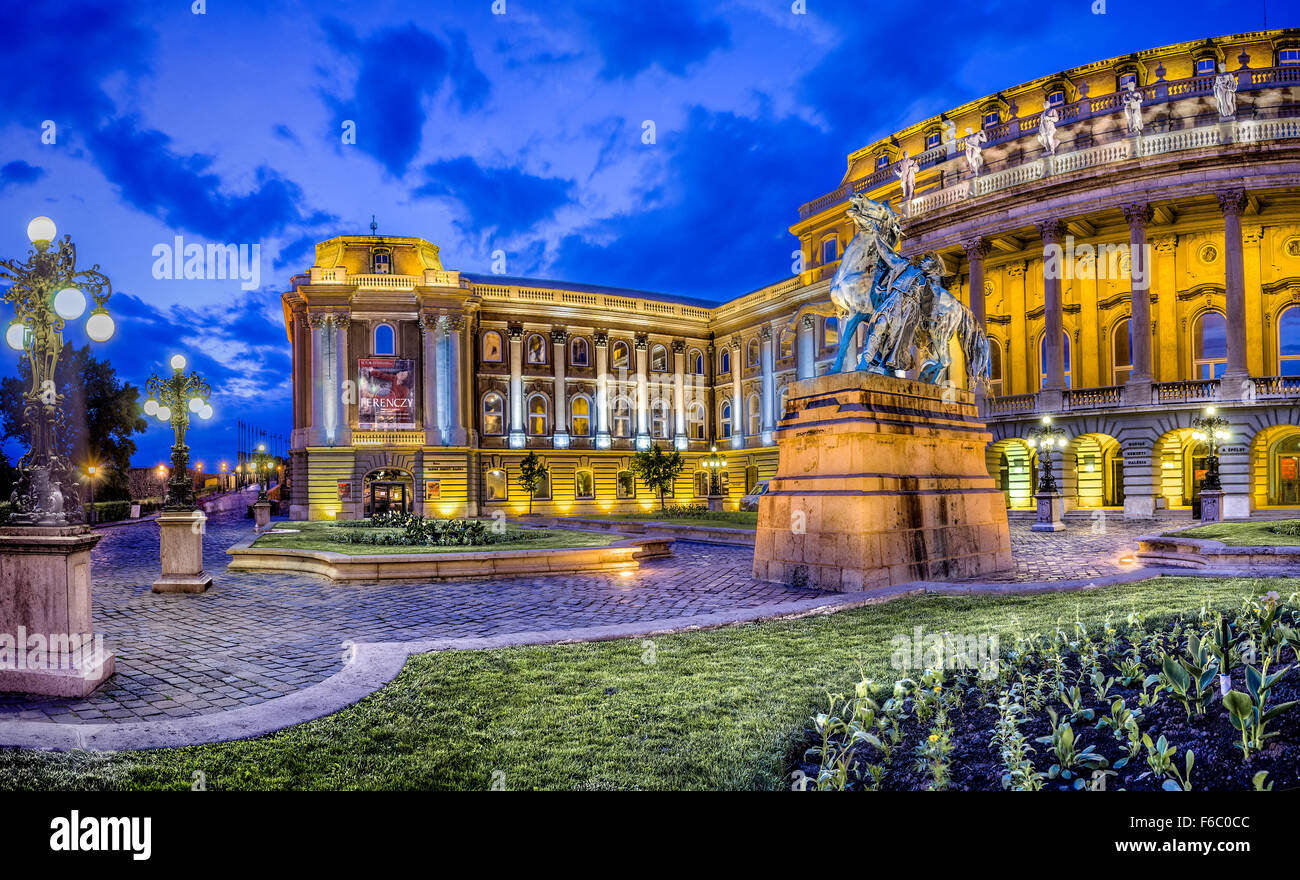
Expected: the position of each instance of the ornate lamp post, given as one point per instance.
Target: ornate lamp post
(714, 463)
(1211, 429)
(172, 400)
(91, 472)
(44, 549)
(224, 469)
(1044, 438)
(260, 463)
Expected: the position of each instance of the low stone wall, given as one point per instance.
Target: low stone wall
(619, 556)
(706, 534)
(1181, 552)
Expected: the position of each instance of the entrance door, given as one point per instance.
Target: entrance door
(1004, 479)
(387, 498)
(1115, 497)
(1288, 479)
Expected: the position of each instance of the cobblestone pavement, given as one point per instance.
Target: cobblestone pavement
(1086, 549)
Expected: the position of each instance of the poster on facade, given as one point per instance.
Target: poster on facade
(345, 491)
(386, 393)
(432, 490)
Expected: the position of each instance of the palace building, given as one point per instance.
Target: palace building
(1127, 232)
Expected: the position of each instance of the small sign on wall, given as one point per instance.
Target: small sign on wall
(345, 491)
(432, 490)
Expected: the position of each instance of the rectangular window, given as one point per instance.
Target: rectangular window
(1056, 99)
(992, 118)
(1126, 79)
(625, 485)
(1288, 57)
(494, 485)
(584, 486)
(701, 483)
(1205, 67)
(881, 162)
(933, 140)
(543, 490)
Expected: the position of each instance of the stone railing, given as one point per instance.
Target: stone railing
(385, 282)
(1014, 176)
(604, 301)
(1094, 398)
(1194, 391)
(1271, 387)
(1015, 403)
(1175, 141)
(1187, 393)
(387, 438)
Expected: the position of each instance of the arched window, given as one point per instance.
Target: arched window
(580, 416)
(619, 355)
(659, 419)
(625, 484)
(783, 401)
(724, 360)
(830, 249)
(492, 347)
(695, 362)
(494, 413)
(495, 485)
(658, 359)
(751, 353)
(539, 423)
(381, 261)
(786, 349)
(995, 368)
(1209, 345)
(1288, 342)
(579, 353)
(535, 349)
(695, 421)
(621, 418)
(1042, 359)
(1121, 348)
(385, 339)
(584, 485)
(830, 332)
(724, 419)
(755, 416)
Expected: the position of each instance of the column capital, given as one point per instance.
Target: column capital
(765, 333)
(1052, 230)
(807, 322)
(515, 332)
(559, 335)
(1138, 215)
(316, 320)
(679, 346)
(428, 322)
(1231, 201)
(734, 342)
(976, 248)
(1165, 244)
(600, 338)
(641, 342)
(341, 320)
(456, 322)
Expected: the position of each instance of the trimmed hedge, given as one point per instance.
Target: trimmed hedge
(112, 511)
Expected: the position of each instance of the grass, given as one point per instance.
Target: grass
(315, 536)
(716, 709)
(1244, 534)
(735, 519)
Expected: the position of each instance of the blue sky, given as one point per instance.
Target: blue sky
(519, 132)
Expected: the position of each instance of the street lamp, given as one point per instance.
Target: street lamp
(90, 481)
(46, 291)
(223, 477)
(1045, 438)
(261, 465)
(1211, 429)
(172, 400)
(714, 462)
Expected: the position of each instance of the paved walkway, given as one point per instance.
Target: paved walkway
(199, 668)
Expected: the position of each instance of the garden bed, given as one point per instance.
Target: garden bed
(1265, 533)
(1115, 706)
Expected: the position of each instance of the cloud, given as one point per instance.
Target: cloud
(506, 200)
(399, 70)
(18, 172)
(669, 34)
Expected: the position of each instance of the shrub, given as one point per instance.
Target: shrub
(112, 511)
(416, 531)
(1290, 528)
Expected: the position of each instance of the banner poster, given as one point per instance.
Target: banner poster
(386, 393)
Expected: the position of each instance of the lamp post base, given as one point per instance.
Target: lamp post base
(261, 515)
(1050, 507)
(181, 552)
(1211, 505)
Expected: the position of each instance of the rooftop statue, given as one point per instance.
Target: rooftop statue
(910, 316)
(1225, 93)
(1047, 130)
(1132, 101)
(975, 150)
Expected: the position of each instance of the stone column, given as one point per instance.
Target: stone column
(601, 340)
(517, 436)
(679, 394)
(432, 422)
(807, 344)
(342, 391)
(769, 384)
(560, 424)
(1231, 202)
(642, 346)
(976, 250)
(458, 376)
(1165, 362)
(1141, 266)
(737, 415)
(317, 433)
(1052, 231)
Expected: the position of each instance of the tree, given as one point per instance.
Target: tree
(532, 473)
(658, 469)
(102, 413)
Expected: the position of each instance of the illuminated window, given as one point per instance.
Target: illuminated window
(1288, 57)
(755, 416)
(724, 419)
(783, 400)
(882, 162)
(580, 418)
(539, 424)
(933, 140)
(381, 261)
(701, 482)
(659, 419)
(492, 347)
(579, 354)
(1204, 66)
(695, 421)
(1121, 348)
(385, 339)
(1042, 358)
(543, 490)
(724, 360)
(495, 485)
(1056, 99)
(830, 250)
(619, 355)
(1209, 346)
(625, 484)
(658, 359)
(494, 413)
(995, 368)
(696, 361)
(584, 485)
(621, 418)
(787, 344)
(830, 332)
(751, 353)
(535, 349)
(992, 118)
(1288, 342)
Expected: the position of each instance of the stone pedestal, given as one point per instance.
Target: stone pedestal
(716, 502)
(181, 549)
(880, 482)
(1050, 507)
(47, 640)
(1211, 505)
(261, 515)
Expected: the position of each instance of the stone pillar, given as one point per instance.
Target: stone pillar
(976, 250)
(807, 345)
(517, 436)
(679, 394)
(1231, 202)
(769, 384)
(457, 376)
(737, 414)
(560, 424)
(601, 340)
(342, 415)
(1141, 266)
(432, 420)
(1234, 475)
(1141, 477)
(316, 436)
(642, 345)
(1052, 231)
(1165, 362)
(181, 549)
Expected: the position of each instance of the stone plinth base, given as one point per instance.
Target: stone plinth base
(261, 515)
(881, 481)
(181, 551)
(47, 643)
(1211, 505)
(1050, 508)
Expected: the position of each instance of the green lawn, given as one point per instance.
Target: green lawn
(314, 536)
(1244, 534)
(732, 519)
(721, 708)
